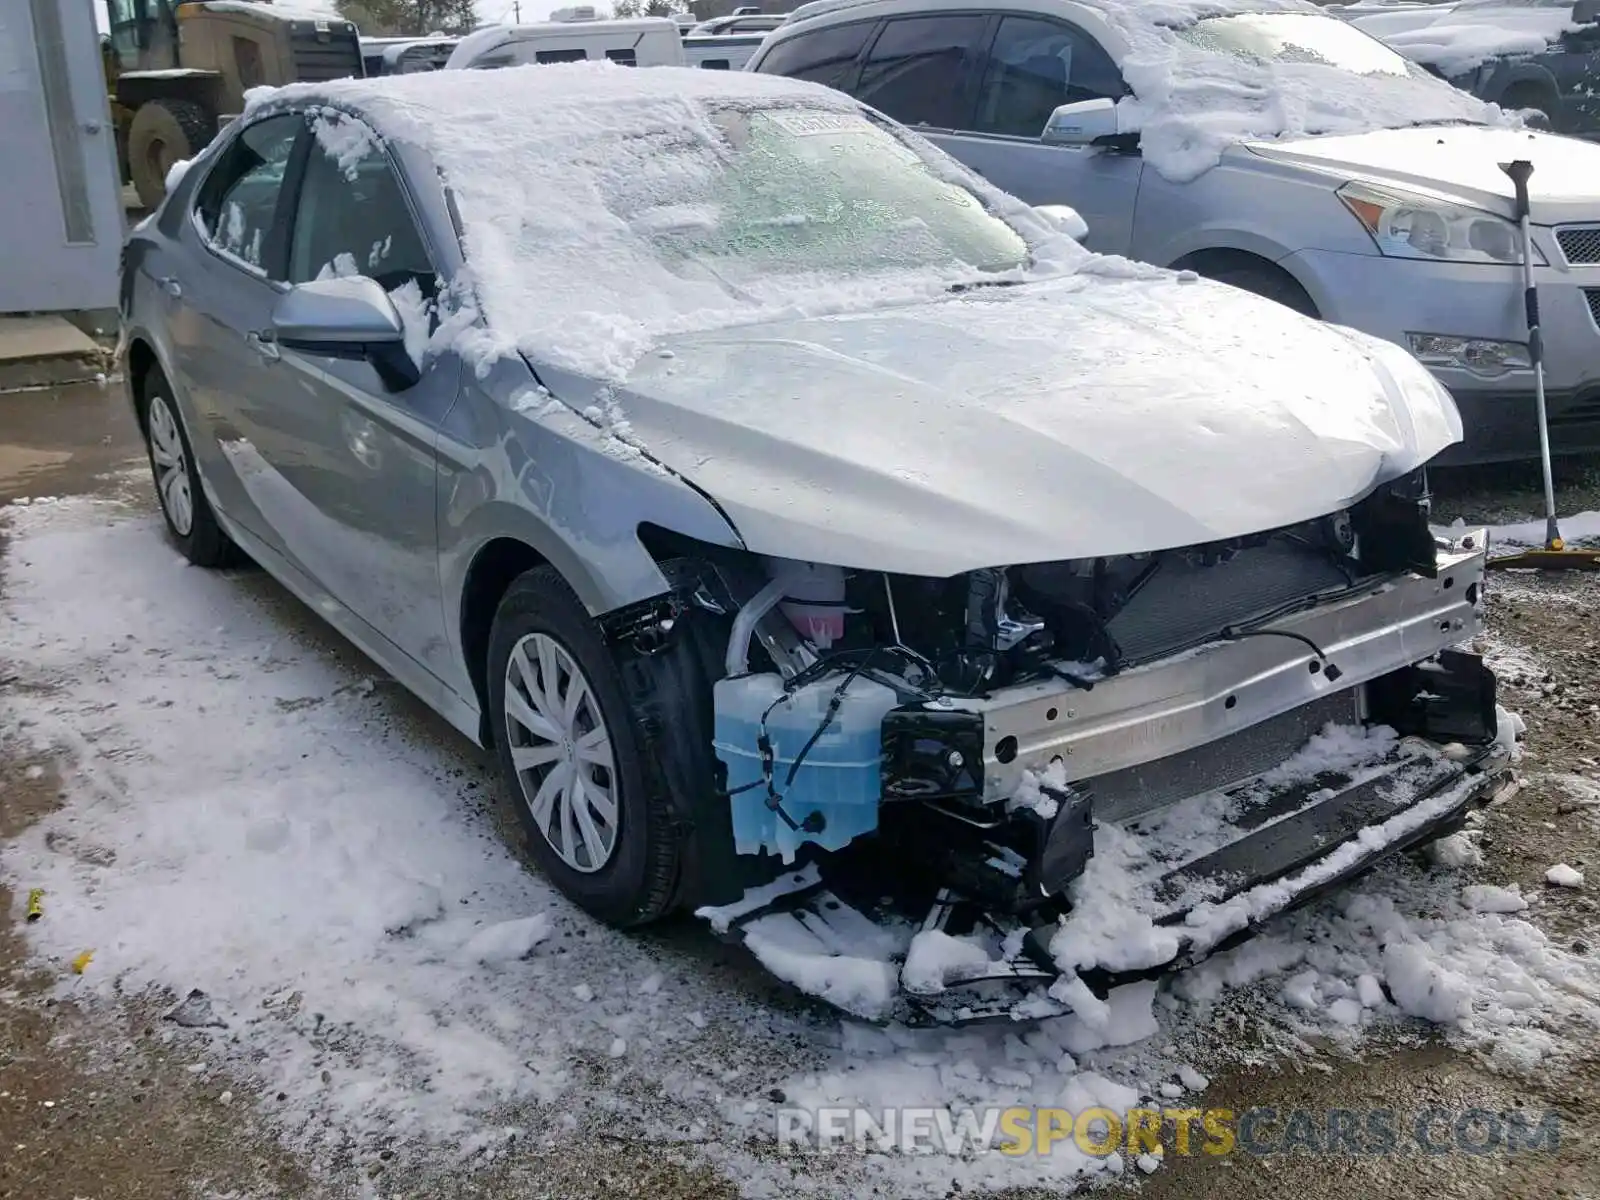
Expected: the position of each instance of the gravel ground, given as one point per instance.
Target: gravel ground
(100, 1104)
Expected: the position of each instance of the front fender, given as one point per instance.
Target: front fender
(531, 469)
(1218, 236)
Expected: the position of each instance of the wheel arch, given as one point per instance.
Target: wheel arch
(489, 575)
(142, 364)
(1213, 262)
(1528, 81)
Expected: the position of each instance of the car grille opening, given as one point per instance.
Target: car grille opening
(1580, 244)
(1592, 295)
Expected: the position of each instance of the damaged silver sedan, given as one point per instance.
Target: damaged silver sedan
(823, 540)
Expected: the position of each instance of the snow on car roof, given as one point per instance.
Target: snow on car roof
(1471, 35)
(1200, 87)
(532, 156)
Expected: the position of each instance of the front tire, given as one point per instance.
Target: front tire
(190, 520)
(569, 748)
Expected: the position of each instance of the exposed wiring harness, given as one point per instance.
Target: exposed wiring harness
(1330, 670)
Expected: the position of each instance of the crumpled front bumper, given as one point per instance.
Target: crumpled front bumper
(1294, 843)
(1161, 709)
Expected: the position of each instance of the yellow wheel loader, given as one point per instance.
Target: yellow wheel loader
(180, 69)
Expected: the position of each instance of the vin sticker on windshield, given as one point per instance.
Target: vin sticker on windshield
(807, 124)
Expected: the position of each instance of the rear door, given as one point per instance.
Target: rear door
(923, 70)
(830, 56)
(222, 290)
(1032, 66)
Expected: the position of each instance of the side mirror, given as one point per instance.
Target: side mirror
(1084, 123)
(1586, 12)
(1065, 218)
(350, 318)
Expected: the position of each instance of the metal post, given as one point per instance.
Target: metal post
(1519, 172)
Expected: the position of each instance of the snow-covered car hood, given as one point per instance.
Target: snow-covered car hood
(1068, 419)
(1463, 161)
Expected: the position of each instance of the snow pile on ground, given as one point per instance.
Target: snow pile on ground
(1112, 926)
(244, 821)
(251, 831)
(1193, 97)
(1489, 978)
(1562, 875)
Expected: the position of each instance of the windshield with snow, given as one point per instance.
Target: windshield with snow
(1298, 38)
(797, 191)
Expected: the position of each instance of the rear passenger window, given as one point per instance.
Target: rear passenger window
(919, 69)
(238, 201)
(624, 57)
(827, 56)
(1035, 66)
(555, 56)
(715, 64)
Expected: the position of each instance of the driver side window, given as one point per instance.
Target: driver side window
(1035, 66)
(353, 218)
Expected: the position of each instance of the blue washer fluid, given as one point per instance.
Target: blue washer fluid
(841, 777)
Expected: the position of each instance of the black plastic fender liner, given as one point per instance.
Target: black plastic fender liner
(668, 675)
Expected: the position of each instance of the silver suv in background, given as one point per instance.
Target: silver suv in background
(1267, 145)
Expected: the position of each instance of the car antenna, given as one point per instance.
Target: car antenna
(1554, 555)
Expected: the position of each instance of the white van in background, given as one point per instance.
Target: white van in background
(636, 42)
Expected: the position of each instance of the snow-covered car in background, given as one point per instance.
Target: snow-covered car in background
(1381, 19)
(753, 22)
(1268, 145)
(1534, 54)
(405, 55)
(822, 539)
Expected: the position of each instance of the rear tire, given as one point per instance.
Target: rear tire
(164, 132)
(597, 822)
(191, 522)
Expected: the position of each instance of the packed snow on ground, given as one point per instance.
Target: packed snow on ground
(1580, 529)
(246, 817)
(1192, 100)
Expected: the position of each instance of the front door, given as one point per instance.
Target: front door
(348, 468)
(61, 221)
(1034, 65)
